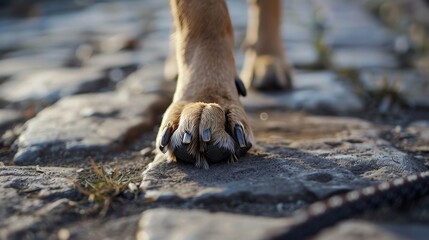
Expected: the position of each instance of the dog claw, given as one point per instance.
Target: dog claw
(165, 137)
(207, 135)
(239, 134)
(240, 87)
(187, 137)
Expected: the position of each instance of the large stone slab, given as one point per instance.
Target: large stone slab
(45, 60)
(161, 18)
(119, 227)
(296, 32)
(115, 38)
(126, 61)
(411, 85)
(148, 79)
(156, 46)
(296, 157)
(8, 118)
(313, 91)
(302, 55)
(298, 13)
(357, 36)
(413, 138)
(357, 230)
(51, 85)
(196, 224)
(29, 194)
(108, 26)
(362, 58)
(348, 25)
(97, 17)
(87, 123)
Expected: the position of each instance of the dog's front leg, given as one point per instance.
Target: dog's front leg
(206, 121)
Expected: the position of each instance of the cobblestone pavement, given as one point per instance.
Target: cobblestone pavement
(84, 81)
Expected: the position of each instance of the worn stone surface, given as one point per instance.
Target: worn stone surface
(128, 61)
(411, 85)
(51, 85)
(29, 194)
(17, 64)
(175, 224)
(361, 58)
(149, 79)
(415, 137)
(302, 55)
(118, 228)
(85, 123)
(294, 156)
(294, 31)
(314, 91)
(355, 230)
(115, 39)
(357, 36)
(8, 118)
(352, 31)
(158, 43)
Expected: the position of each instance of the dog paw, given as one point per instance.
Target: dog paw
(203, 133)
(266, 73)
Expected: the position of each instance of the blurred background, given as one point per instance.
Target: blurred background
(352, 60)
(378, 48)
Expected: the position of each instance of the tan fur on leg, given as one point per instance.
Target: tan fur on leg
(206, 109)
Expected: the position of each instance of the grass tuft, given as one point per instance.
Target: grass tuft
(388, 95)
(101, 184)
(319, 28)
